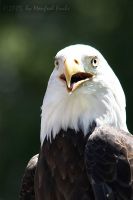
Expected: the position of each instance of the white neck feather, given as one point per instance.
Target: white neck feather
(61, 110)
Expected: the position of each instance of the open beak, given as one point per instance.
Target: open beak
(74, 75)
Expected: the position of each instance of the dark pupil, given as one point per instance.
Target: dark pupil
(95, 61)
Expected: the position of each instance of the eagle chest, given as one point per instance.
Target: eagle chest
(61, 164)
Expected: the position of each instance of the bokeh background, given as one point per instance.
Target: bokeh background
(31, 32)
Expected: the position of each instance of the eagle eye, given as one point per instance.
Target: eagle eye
(56, 63)
(94, 62)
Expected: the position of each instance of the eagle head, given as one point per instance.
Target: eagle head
(82, 88)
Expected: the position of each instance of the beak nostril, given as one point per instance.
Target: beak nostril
(76, 61)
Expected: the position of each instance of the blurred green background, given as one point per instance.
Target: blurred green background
(31, 32)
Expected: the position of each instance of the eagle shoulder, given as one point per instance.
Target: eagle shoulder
(27, 184)
(109, 158)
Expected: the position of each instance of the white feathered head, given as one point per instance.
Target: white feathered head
(82, 88)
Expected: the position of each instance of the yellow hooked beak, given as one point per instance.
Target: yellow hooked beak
(75, 74)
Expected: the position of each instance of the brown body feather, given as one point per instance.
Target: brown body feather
(27, 191)
(77, 167)
(61, 172)
(109, 161)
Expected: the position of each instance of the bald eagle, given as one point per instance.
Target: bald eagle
(86, 151)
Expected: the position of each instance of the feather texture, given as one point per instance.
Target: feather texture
(109, 158)
(27, 191)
